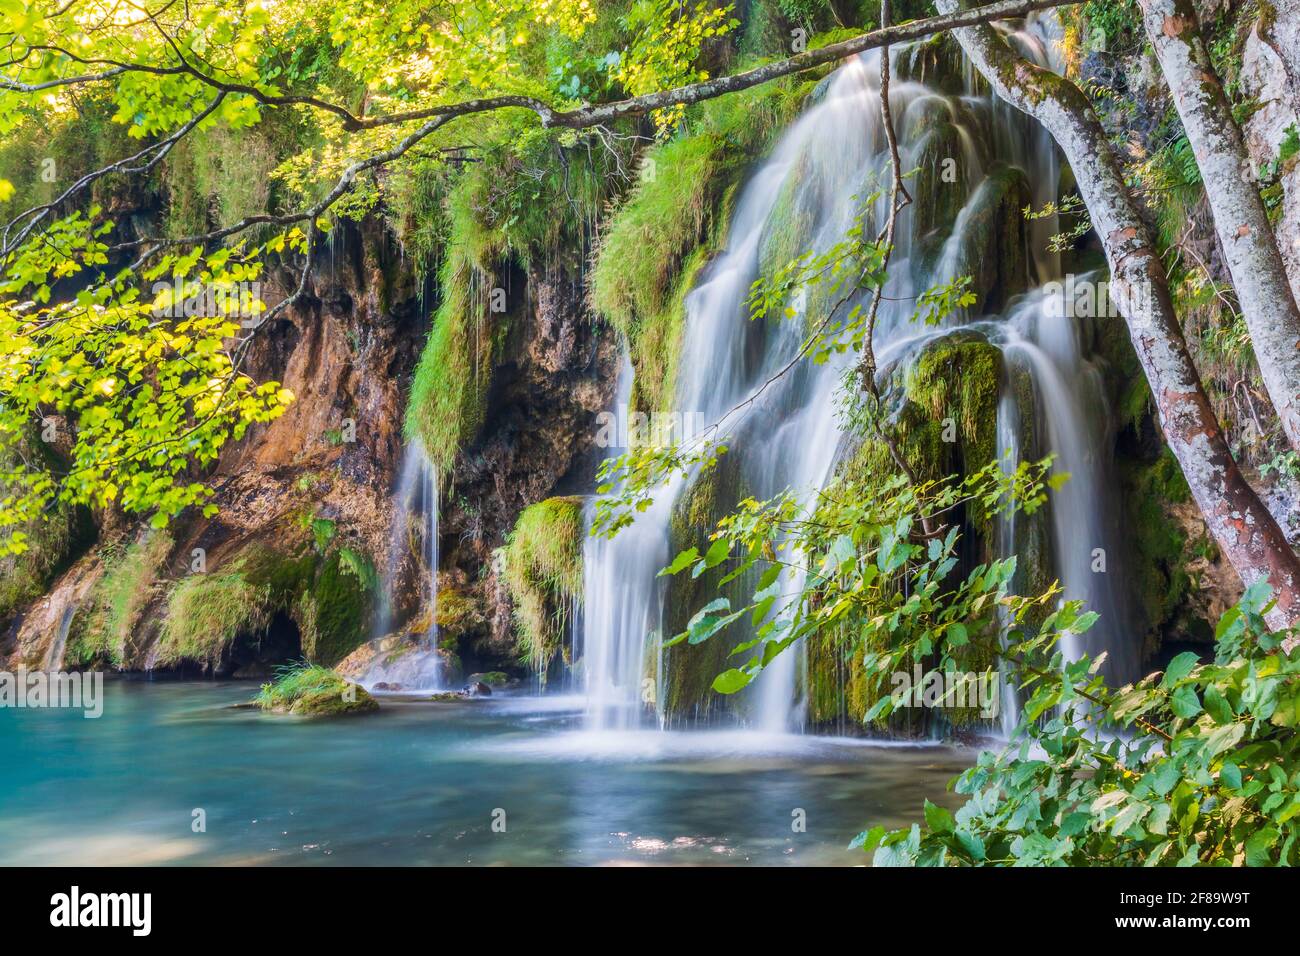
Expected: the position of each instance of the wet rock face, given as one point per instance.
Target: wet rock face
(539, 437)
(331, 457)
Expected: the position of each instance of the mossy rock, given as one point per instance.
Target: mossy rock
(328, 597)
(207, 612)
(491, 678)
(107, 624)
(314, 691)
(689, 669)
(944, 414)
(944, 402)
(342, 598)
(991, 240)
(674, 221)
(460, 612)
(1159, 546)
(452, 381)
(543, 574)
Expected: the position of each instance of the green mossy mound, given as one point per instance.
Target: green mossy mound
(543, 573)
(449, 392)
(328, 596)
(673, 221)
(949, 391)
(206, 613)
(102, 631)
(944, 417)
(689, 669)
(308, 690)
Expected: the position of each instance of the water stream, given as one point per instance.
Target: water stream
(414, 533)
(971, 153)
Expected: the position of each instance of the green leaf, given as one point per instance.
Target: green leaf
(682, 561)
(1179, 668)
(1185, 703)
(716, 554)
(937, 818)
(730, 681)
(1217, 706)
(1259, 847)
(868, 840)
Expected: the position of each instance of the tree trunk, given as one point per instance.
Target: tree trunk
(1245, 234)
(1235, 516)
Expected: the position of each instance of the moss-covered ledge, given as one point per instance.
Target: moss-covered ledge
(543, 574)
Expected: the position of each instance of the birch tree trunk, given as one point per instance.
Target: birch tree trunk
(1245, 234)
(1238, 520)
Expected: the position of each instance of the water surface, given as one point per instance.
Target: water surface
(423, 783)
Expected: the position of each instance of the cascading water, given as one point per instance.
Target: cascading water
(622, 603)
(976, 158)
(414, 531)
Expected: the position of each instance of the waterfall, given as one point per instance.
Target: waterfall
(414, 531)
(622, 602)
(54, 654)
(1043, 339)
(783, 429)
(1008, 445)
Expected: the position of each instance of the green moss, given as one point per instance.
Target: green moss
(672, 222)
(950, 390)
(689, 669)
(25, 577)
(656, 228)
(51, 541)
(945, 415)
(323, 530)
(657, 343)
(117, 601)
(543, 573)
(219, 175)
(459, 613)
(206, 612)
(329, 597)
(449, 391)
(528, 195)
(491, 678)
(958, 378)
(838, 690)
(340, 602)
(309, 690)
(41, 159)
(1159, 547)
